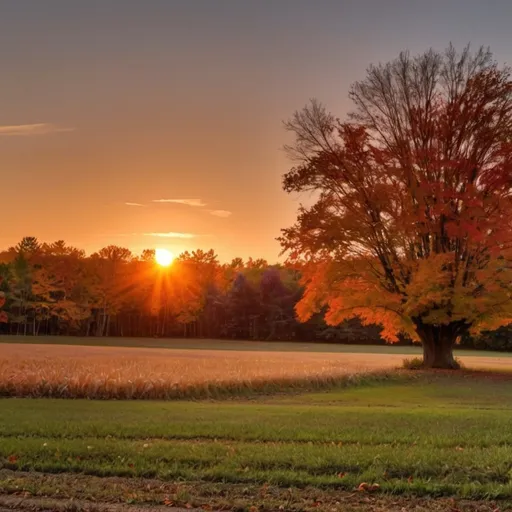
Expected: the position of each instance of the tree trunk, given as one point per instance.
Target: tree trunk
(107, 326)
(438, 342)
(439, 355)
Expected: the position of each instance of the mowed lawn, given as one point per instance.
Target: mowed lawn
(435, 435)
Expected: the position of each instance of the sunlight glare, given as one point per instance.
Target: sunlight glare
(163, 257)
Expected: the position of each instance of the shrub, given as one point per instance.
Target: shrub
(416, 363)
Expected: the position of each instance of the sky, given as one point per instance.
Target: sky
(158, 123)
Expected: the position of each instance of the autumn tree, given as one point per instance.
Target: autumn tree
(244, 307)
(148, 255)
(20, 292)
(411, 224)
(277, 304)
(197, 279)
(110, 284)
(3, 315)
(58, 285)
(28, 246)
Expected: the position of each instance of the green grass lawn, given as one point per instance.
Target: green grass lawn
(208, 344)
(436, 435)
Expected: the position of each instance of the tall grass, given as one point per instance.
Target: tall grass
(103, 373)
(151, 373)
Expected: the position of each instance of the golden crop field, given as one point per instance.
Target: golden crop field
(122, 372)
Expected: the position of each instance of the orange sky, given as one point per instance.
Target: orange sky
(108, 103)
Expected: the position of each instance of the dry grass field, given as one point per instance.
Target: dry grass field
(124, 373)
(105, 372)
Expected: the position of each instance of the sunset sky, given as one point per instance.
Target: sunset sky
(158, 123)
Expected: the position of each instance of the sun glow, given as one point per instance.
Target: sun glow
(163, 257)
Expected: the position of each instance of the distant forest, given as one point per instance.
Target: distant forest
(55, 289)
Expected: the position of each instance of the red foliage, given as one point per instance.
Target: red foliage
(412, 227)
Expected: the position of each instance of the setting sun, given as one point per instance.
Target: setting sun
(163, 257)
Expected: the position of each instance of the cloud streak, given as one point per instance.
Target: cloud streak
(172, 234)
(221, 213)
(188, 202)
(25, 130)
(134, 204)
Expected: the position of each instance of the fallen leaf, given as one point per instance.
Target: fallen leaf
(12, 459)
(342, 474)
(454, 507)
(363, 486)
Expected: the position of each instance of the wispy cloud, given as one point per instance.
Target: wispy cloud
(188, 202)
(133, 204)
(220, 213)
(171, 234)
(23, 130)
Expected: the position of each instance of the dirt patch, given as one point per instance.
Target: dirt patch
(10, 503)
(66, 493)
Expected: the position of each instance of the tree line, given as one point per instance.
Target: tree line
(55, 289)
